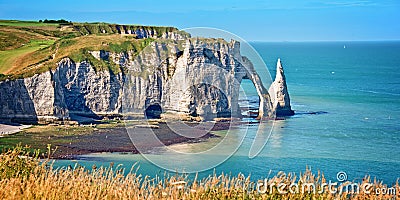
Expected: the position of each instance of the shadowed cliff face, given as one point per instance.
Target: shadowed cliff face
(16, 103)
(31, 99)
(86, 91)
(194, 77)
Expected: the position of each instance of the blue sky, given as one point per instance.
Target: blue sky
(284, 20)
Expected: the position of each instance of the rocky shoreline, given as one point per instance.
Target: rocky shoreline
(68, 143)
(118, 140)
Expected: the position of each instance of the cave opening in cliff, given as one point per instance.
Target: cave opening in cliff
(153, 111)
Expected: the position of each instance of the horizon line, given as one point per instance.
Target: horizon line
(316, 41)
(254, 41)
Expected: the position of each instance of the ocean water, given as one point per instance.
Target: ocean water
(355, 88)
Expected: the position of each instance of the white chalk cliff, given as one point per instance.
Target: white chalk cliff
(279, 93)
(192, 76)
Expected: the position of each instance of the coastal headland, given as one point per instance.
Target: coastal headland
(77, 74)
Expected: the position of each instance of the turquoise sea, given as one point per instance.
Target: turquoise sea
(355, 89)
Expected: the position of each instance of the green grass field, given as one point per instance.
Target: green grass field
(7, 58)
(24, 23)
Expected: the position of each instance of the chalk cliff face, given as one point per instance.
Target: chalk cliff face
(30, 99)
(279, 93)
(194, 77)
(135, 30)
(87, 91)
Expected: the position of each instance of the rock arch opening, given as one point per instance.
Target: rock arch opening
(248, 99)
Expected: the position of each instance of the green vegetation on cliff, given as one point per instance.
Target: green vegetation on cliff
(28, 48)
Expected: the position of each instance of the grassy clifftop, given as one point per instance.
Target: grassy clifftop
(104, 28)
(28, 48)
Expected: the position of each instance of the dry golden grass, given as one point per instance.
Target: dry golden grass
(17, 42)
(75, 48)
(23, 177)
(12, 37)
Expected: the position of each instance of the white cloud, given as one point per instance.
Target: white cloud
(351, 3)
